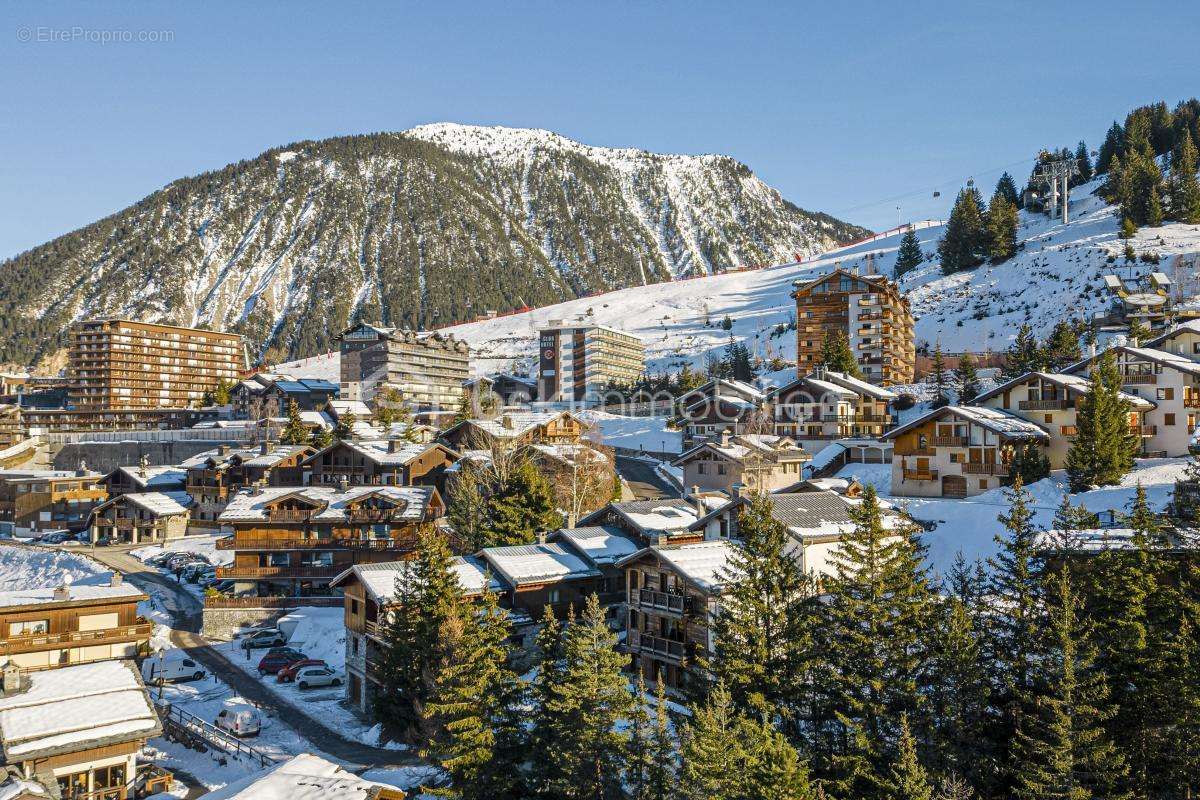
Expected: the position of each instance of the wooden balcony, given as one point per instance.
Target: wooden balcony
(400, 543)
(1059, 404)
(985, 469)
(50, 641)
(273, 602)
(1191, 401)
(1138, 378)
(920, 474)
(660, 601)
(656, 645)
(950, 441)
(290, 515)
(234, 572)
(1143, 430)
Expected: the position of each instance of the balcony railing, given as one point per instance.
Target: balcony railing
(1058, 404)
(1138, 378)
(985, 469)
(339, 543)
(273, 602)
(949, 441)
(45, 641)
(665, 601)
(657, 645)
(1143, 430)
(920, 474)
(290, 515)
(234, 572)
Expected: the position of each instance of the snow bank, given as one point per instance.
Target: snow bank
(35, 567)
(633, 433)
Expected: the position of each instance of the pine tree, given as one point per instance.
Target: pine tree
(837, 356)
(1140, 182)
(876, 613)
(584, 708)
(964, 244)
(1185, 190)
(1113, 147)
(1083, 163)
(1006, 187)
(1029, 460)
(763, 629)
(1025, 355)
(1062, 749)
(1002, 224)
(941, 387)
(221, 393)
(1104, 446)
(1062, 347)
(477, 699)
(520, 507)
(650, 762)
(295, 431)
(966, 379)
(550, 662)
(908, 255)
(909, 780)
(344, 428)
(399, 665)
(321, 438)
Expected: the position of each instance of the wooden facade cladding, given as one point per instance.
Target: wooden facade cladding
(67, 630)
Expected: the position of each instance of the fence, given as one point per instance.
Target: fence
(238, 434)
(191, 730)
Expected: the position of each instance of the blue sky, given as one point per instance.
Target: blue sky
(849, 108)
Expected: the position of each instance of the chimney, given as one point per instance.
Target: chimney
(725, 437)
(735, 491)
(394, 446)
(117, 579)
(222, 449)
(343, 483)
(697, 501)
(10, 676)
(541, 537)
(62, 594)
(661, 540)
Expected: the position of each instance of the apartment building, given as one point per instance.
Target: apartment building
(1170, 381)
(119, 364)
(577, 360)
(1050, 400)
(50, 627)
(958, 451)
(66, 420)
(141, 517)
(291, 541)
(427, 369)
(759, 462)
(213, 477)
(872, 313)
(34, 501)
(825, 405)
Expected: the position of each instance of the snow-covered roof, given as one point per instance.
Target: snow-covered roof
(75, 708)
(512, 424)
(570, 454)
(704, 564)
(600, 544)
(302, 777)
(1174, 360)
(1190, 326)
(859, 386)
(154, 477)
(740, 446)
(651, 517)
(996, 420)
(87, 590)
(356, 407)
(1072, 383)
(379, 578)
(378, 451)
(250, 505)
(524, 564)
(251, 456)
(159, 504)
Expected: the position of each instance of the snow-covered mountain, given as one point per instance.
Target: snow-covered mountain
(428, 226)
(1057, 272)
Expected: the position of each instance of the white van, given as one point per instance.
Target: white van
(171, 669)
(240, 720)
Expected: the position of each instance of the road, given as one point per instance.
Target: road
(185, 634)
(645, 483)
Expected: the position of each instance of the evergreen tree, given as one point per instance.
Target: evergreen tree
(1006, 187)
(321, 438)
(1140, 182)
(763, 629)
(908, 256)
(650, 771)
(966, 379)
(639, 757)
(1113, 147)
(221, 393)
(876, 613)
(740, 365)
(941, 385)
(1062, 749)
(909, 780)
(1104, 446)
(1083, 164)
(550, 662)
(399, 665)
(520, 507)
(295, 431)
(477, 699)
(1029, 460)
(1185, 190)
(1025, 355)
(583, 709)
(1062, 347)
(965, 242)
(836, 354)
(1002, 224)
(344, 428)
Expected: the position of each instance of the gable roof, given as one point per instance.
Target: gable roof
(379, 578)
(602, 545)
(1190, 326)
(250, 456)
(94, 588)
(1075, 384)
(153, 477)
(252, 505)
(303, 777)
(377, 451)
(878, 281)
(1161, 357)
(865, 388)
(651, 518)
(703, 564)
(513, 424)
(524, 564)
(741, 446)
(996, 420)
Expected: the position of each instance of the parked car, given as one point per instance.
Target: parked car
(240, 720)
(288, 673)
(264, 637)
(278, 658)
(171, 669)
(310, 677)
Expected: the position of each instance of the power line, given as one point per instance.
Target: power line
(943, 184)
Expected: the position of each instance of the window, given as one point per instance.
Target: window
(721, 469)
(354, 607)
(1168, 419)
(554, 596)
(702, 469)
(1049, 418)
(109, 777)
(29, 627)
(983, 483)
(1166, 394)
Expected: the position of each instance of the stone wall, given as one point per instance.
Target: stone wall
(222, 623)
(107, 456)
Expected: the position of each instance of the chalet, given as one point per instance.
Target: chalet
(92, 620)
(717, 406)
(290, 541)
(826, 405)
(305, 777)
(393, 462)
(602, 547)
(142, 517)
(958, 451)
(672, 596)
(77, 730)
(581, 477)
(513, 428)
(761, 463)
(511, 390)
(646, 521)
(259, 394)
(1050, 400)
(33, 501)
(369, 590)
(216, 475)
(145, 478)
(1171, 381)
(545, 575)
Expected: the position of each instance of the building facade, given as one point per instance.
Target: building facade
(427, 369)
(34, 501)
(872, 313)
(576, 360)
(118, 363)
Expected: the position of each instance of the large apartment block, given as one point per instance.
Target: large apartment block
(870, 311)
(428, 369)
(121, 364)
(578, 358)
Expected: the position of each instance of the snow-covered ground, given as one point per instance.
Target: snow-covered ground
(970, 525)
(633, 433)
(36, 567)
(205, 546)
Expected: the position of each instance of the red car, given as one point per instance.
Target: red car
(278, 658)
(288, 673)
